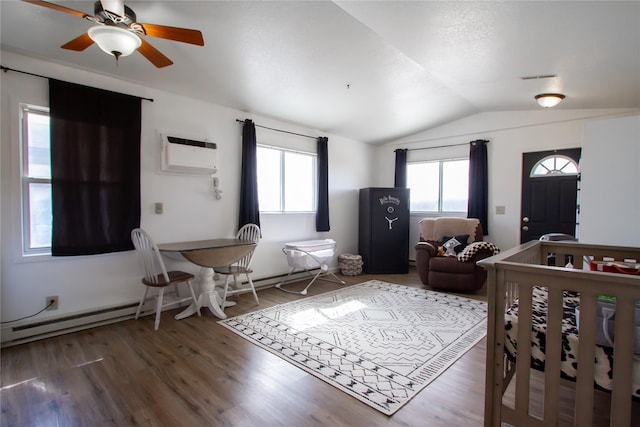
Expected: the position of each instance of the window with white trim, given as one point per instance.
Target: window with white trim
(287, 180)
(555, 165)
(439, 186)
(36, 179)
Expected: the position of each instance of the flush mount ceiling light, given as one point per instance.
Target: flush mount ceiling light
(115, 41)
(548, 100)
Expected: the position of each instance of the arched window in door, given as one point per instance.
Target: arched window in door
(554, 165)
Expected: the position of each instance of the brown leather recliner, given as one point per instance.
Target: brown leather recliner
(447, 273)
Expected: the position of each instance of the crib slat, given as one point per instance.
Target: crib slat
(586, 364)
(553, 356)
(495, 366)
(623, 363)
(523, 355)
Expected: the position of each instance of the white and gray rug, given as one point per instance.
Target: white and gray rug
(379, 342)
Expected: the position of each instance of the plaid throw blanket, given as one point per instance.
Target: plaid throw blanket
(475, 247)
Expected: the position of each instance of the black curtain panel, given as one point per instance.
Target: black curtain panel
(95, 169)
(401, 168)
(249, 207)
(322, 216)
(478, 183)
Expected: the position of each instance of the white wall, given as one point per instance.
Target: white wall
(191, 211)
(610, 186)
(510, 134)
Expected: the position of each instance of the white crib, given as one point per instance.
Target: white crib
(571, 381)
(312, 256)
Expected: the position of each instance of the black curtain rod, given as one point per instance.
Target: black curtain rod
(443, 146)
(280, 130)
(5, 69)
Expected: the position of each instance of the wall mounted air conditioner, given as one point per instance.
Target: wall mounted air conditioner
(189, 156)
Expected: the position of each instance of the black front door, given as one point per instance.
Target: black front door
(549, 201)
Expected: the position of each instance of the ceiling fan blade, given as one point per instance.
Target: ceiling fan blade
(153, 55)
(184, 35)
(79, 43)
(57, 7)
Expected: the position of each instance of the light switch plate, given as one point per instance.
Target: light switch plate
(500, 210)
(159, 207)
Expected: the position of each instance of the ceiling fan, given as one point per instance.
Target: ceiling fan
(118, 33)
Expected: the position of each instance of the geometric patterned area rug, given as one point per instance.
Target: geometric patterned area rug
(379, 342)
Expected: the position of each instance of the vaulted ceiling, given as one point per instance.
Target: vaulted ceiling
(372, 71)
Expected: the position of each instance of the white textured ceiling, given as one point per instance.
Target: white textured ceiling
(371, 71)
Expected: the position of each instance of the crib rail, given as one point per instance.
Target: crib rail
(512, 275)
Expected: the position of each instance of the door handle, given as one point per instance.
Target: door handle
(525, 219)
(525, 228)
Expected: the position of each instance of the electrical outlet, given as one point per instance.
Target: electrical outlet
(52, 302)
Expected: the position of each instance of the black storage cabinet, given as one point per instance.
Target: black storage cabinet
(383, 239)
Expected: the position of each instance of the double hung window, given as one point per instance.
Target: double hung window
(36, 180)
(439, 186)
(287, 180)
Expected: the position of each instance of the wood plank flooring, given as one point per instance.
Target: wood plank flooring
(194, 372)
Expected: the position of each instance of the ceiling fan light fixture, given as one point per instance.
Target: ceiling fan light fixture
(549, 100)
(115, 41)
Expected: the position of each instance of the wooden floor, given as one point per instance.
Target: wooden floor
(194, 372)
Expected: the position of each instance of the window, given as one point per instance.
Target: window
(555, 165)
(287, 180)
(439, 186)
(36, 180)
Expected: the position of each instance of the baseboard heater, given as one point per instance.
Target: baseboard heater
(21, 333)
(26, 332)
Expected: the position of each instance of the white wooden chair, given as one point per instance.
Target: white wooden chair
(248, 233)
(157, 276)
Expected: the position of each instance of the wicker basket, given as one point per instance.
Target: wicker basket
(350, 265)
